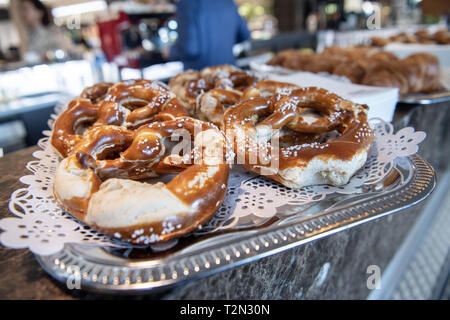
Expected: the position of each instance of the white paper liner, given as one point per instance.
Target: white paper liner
(41, 225)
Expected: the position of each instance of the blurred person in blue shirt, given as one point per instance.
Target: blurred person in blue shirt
(207, 32)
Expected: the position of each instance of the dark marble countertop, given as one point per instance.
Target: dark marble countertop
(334, 267)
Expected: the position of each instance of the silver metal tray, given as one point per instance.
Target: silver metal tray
(421, 98)
(134, 270)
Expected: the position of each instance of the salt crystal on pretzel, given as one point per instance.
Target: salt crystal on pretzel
(207, 93)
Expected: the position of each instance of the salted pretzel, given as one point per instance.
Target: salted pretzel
(370, 66)
(70, 125)
(226, 82)
(133, 103)
(303, 121)
(129, 104)
(95, 183)
(267, 88)
(291, 59)
(423, 72)
(211, 105)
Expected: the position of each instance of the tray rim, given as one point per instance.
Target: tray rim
(111, 279)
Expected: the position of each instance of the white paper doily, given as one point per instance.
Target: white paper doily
(43, 227)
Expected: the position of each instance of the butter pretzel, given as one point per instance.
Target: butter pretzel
(95, 183)
(307, 114)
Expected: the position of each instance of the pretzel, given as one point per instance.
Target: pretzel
(137, 102)
(418, 72)
(302, 158)
(384, 56)
(97, 92)
(370, 66)
(70, 125)
(326, 61)
(355, 70)
(441, 37)
(129, 104)
(212, 104)
(95, 183)
(266, 88)
(190, 85)
(187, 87)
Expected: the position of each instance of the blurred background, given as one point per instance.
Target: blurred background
(111, 40)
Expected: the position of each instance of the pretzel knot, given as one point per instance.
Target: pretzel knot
(70, 125)
(207, 93)
(137, 102)
(306, 137)
(129, 104)
(97, 181)
(267, 88)
(97, 92)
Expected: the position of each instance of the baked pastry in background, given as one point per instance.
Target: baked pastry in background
(207, 93)
(417, 73)
(100, 182)
(114, 138)
(387, 74)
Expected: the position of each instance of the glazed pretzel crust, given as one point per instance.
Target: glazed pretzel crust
(129, 104)
(302, 158)
(95, 183)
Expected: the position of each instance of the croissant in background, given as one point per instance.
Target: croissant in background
(365, 65)
(353, 70)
